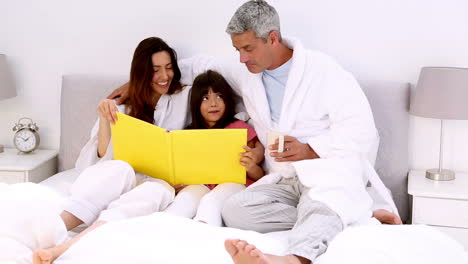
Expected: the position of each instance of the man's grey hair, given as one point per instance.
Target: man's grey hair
(256, 15)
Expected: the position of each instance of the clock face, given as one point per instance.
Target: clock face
(25, 140)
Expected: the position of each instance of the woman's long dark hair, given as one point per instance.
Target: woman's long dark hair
(201, 86)
(140, 91)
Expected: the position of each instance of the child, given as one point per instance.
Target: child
(212, 106)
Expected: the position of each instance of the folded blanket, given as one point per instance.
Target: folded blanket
(30, 219)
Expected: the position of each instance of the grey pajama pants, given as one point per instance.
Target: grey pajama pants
(283, 206)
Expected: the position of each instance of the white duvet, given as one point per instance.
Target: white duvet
(162, 238)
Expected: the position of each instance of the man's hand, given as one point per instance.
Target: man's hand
(293, 150)
(120, 94)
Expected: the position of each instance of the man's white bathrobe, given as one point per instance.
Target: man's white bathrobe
(323, 106)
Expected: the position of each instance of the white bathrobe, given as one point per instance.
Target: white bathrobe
(123, 198)
(171, 113)
(323, 106)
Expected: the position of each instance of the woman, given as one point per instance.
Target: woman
(105, 190)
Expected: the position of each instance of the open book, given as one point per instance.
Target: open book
(198, 156)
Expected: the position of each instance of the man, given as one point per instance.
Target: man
(328, 123)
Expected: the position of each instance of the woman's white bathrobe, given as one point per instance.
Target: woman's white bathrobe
(323, 106)
(171, 113)
(121, 198)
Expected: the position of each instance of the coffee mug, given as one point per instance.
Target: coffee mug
(271, 139)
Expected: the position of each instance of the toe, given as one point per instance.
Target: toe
(241, 244)
(255, 253)
(230, 247)
(249, 248)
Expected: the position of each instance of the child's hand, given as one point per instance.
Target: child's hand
(259, 152)
(249, 158)
(255, 154)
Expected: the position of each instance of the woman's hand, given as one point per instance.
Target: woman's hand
(107, 110)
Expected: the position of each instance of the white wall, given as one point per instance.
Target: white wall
(374, 39)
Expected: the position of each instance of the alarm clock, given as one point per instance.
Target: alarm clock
(26, 138)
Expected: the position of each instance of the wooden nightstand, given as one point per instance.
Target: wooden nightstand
(442, 204)
(33, 167)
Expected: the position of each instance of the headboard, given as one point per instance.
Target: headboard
(389, 102)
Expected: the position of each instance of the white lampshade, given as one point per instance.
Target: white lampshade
(7, 87)
(441, 93)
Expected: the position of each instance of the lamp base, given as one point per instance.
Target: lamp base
(442, 175)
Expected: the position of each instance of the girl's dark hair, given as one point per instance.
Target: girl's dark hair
(201, 85)
(140, 91)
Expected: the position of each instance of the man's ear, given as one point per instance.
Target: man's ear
(274, 37)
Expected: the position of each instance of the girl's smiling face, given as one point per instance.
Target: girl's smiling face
(212, 107)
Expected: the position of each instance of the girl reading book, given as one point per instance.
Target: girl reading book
(212, 105)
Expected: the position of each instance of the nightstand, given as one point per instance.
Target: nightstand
(33, 167)
(442, 204)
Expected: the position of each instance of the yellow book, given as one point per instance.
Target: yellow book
(198, 156)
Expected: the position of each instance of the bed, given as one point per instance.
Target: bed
(133, 241)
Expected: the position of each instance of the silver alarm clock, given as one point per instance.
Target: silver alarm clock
(26, 138)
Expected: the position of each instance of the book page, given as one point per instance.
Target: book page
(143, 145)
(208, 156)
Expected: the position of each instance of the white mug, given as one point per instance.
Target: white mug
(285, 169)
(271, 138)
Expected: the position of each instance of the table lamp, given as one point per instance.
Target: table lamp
(441, 93)
(7, 88)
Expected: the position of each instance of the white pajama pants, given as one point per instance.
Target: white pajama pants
(209, 209)
(106, 191)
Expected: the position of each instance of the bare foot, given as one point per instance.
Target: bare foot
(44, 256)
(244, 253)
(386, 217)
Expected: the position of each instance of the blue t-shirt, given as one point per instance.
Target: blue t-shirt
(274, 82)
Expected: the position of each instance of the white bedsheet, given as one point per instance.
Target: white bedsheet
(162, 238)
